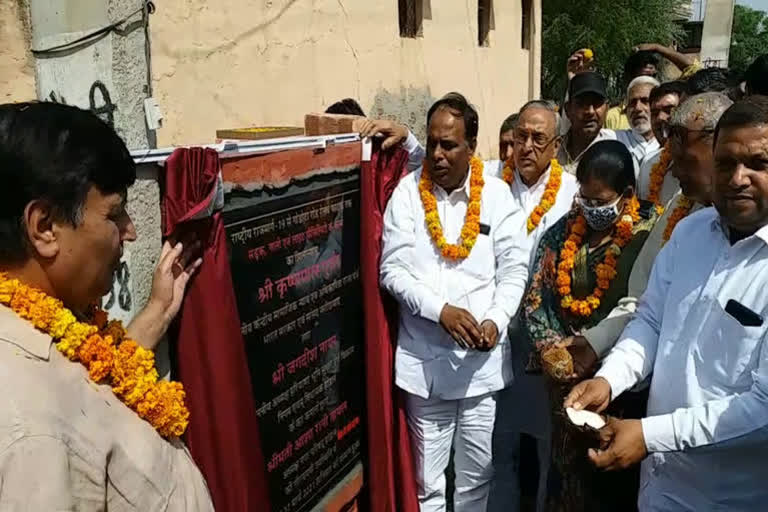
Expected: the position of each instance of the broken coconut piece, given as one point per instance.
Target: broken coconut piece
(581, 418)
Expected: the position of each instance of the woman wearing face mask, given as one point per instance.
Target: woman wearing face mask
(581, 271)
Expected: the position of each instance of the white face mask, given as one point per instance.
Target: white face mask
(600, 217)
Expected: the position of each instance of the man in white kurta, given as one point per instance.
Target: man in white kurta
(536, 144)
(701, 330)
(450, 390)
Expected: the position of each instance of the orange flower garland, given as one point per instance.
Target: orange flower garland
(550, 192)
(606, 270)
(471, 228)
(103, 348)
(656, 179)
(683, 208)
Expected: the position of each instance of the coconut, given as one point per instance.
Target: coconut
(558, 362)
(582, 418)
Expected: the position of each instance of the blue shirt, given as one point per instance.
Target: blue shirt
(708, 408)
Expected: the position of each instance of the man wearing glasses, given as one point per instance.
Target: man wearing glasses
(536, 142)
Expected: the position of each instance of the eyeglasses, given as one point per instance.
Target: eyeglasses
(539, 141)
(595, 203)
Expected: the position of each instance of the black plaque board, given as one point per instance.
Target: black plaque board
(294, 256)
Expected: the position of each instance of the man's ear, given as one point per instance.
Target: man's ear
(473, 144)
(557, 143)
(39, 225)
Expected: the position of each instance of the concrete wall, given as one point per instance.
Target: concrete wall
(17, 67)
(113, 70)
(236, 63)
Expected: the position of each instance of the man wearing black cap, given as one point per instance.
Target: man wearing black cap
(586, 108)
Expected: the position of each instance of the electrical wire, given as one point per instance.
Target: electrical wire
(147, 7)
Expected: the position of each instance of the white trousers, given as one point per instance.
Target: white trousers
(436, 425)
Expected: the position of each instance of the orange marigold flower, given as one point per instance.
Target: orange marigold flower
(98, 355)
(471, 228)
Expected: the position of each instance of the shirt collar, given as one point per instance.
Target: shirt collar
(602, 134)
(464, 187)
(542, 179)
(718, 224)
(19, 332)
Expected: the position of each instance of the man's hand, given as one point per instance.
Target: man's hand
(176, 266)
(579, 63)
(624, 445)
(646, 47)
(462, 326)
(489, 336)
(393, 133)
(592, 394)
(584, 357)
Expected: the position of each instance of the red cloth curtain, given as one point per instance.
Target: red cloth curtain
(391, 483)
(207, 346)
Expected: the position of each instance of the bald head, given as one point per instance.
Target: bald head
(690, 143)
(701, 112)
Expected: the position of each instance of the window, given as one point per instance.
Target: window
(411, 17)
(527, 19)
(484, 21)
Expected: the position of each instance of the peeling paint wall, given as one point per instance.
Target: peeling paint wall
(17, 67)
(236, 63)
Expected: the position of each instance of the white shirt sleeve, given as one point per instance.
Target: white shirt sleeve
(632, 359)
(512, 248)
(715, 421)
(397, 274)
(415, 151)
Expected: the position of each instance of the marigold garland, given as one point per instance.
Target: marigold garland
(471, 228)
(103, 348)
(550, 191)
(605, 271)
(683, 208)
(656, 179)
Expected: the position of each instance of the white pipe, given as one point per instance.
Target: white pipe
(231, 149)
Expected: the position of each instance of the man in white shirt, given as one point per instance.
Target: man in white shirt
(640, 139)
(691, 127)
(700, 330)
(664, 100)
(536, 144)
(452, 354)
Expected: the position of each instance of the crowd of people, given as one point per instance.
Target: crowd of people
(609, 260)
(608, 265)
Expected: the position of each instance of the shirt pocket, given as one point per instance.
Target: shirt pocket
(481, 262)
(727, 351)
(140, 480)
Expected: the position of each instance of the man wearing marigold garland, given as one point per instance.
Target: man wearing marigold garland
(664, 100)
(701, 331)
(84, 414)
(456, 258)
(691, 129)
(545, 194)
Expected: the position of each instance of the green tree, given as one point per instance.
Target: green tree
(749, 38)
(611, 28)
